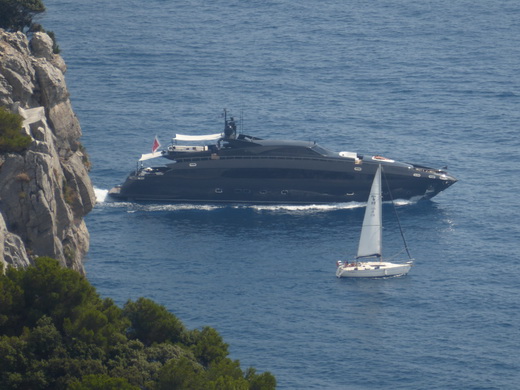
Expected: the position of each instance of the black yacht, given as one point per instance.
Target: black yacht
(238, 168)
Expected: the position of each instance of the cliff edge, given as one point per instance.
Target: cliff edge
(45, 191)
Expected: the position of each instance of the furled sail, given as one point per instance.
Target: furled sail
(370, 240)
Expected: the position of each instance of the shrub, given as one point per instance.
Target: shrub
(56, 332)
(69, 194)
(11, 138)
(102, 382)
(18, 15)
(152, 323)
(55, 46)
(84, 158)
(23, 177)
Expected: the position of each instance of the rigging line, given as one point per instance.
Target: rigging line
(396, 215)
(397, 254)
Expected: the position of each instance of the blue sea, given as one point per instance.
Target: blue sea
(431, 82)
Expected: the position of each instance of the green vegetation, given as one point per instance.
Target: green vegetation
(84, 158)
(57, 333)
(23, 177)
(11, 138)
(16, 15)
(55, 47)
(69, 193)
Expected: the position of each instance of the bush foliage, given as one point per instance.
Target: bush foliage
(11, 138)
(56, 332)
(17, 15)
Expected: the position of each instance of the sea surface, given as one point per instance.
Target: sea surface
(431, 82)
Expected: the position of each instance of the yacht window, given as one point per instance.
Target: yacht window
(289, 151)
(324, 152)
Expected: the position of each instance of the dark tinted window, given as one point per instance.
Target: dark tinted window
(289, 151)
(324, 152)
(273, 173)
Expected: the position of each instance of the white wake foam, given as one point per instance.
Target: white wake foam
(173, 207)
(101, 195)
(404, 202)
(307, 208)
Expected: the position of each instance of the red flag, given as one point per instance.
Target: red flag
(156, 144)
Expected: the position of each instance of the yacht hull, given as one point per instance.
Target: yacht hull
(277, 180)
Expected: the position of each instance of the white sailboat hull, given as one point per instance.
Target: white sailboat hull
(370, 242)
(371, 269)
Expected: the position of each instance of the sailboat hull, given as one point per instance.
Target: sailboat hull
(372, 269)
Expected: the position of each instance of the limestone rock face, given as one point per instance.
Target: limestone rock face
(45, 191)
(12, 247)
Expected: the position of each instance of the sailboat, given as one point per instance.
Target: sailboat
(370, 243)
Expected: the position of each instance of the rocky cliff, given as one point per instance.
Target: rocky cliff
(45, 191)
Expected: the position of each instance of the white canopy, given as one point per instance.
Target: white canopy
(148, 156)
(208, 137)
